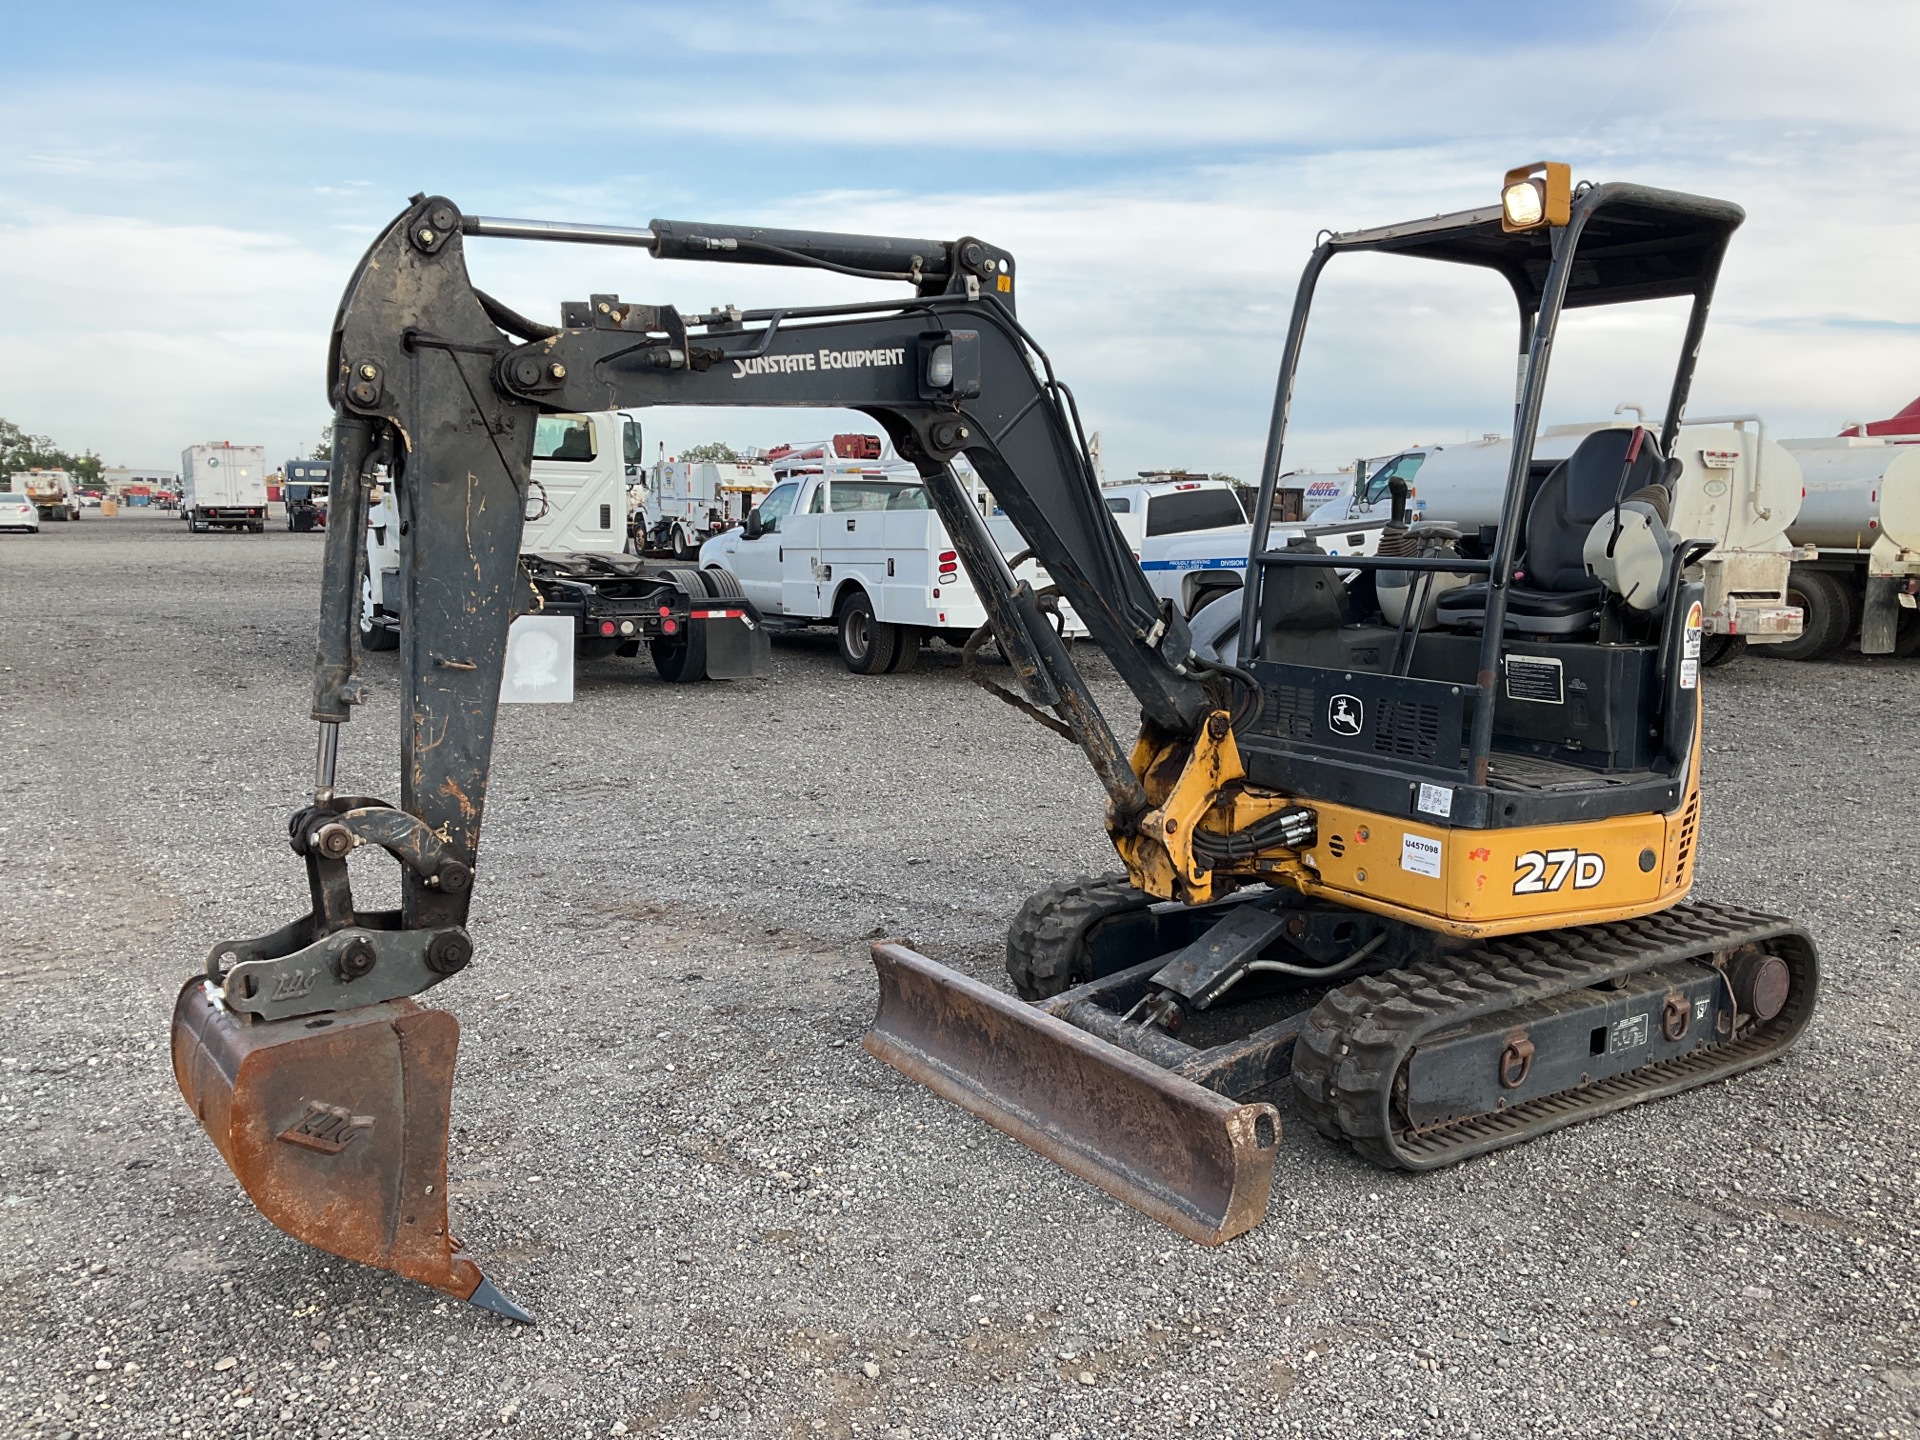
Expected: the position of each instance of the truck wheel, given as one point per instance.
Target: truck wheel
(868, 646)
(1826, 615)
(1717, 650)
(906, 649)
(682, 659)
(1906, 637)
(683, 547)
(673, 661)
(1206, 595)
(722, 583)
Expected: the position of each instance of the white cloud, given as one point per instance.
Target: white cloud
(1161, 185)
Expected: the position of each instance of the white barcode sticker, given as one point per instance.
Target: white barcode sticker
(1420, 855)
(1436, 800)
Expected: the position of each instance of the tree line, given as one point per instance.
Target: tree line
(21, 451)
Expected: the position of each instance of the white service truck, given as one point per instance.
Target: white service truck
(688, 502)
(856, 544)
(223, 486)
(1735, 487)
(53, 493)
(1192, 536)
(573, 563)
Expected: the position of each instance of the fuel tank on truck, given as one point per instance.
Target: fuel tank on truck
(1734, 488)
(1856, 490)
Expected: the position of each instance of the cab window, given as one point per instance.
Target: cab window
(1119, 504)
(848, 496)
(1401, 466)
(563, 437)
(778, 503)
(1179, 511)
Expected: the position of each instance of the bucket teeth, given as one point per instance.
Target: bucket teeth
(488, 1298)
(1185, 1155)
(336, 1127)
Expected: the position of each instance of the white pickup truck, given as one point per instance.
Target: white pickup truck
(1192, 536)
(862, 549)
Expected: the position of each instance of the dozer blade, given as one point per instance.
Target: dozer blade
(1188, 1157)
(336, 1127)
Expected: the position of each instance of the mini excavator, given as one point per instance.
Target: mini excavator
(1416, 830)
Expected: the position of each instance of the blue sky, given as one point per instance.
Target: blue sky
(184, 190)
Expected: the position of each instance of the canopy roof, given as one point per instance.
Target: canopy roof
(1633, 243)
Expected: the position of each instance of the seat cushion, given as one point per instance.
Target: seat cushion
(1529, 611)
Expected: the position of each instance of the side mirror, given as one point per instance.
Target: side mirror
(755, 526)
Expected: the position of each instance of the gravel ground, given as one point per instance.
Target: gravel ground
(728, 1219)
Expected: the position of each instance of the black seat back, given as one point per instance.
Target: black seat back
(1606, 466)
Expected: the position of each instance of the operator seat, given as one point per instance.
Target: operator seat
(1553, 593)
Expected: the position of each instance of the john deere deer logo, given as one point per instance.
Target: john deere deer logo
(1345, 715)
(326, 1128)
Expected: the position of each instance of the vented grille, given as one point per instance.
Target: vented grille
(1406, 727)
(1683, 850)
(1337, 844)
(1290, 711)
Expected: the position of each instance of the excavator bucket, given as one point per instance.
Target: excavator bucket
(336, 1127)
(1185, 1155)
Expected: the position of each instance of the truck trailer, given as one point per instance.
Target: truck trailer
(223, 486)
(1732, 485)
(573, 564)
(54, 493)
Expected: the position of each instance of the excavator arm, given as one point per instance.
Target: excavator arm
(324, 1084)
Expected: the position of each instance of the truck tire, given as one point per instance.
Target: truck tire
(683, 546)
(1206, 595)
(722, 583)
(906, 649)
(1826, 616)
(674, 662)
(1906, 639)
(682, 659)
(1718, 650)
(868, 646)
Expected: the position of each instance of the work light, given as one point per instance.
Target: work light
(1535, 195)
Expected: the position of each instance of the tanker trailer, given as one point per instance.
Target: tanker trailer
(1858, 531)
(1735, 487)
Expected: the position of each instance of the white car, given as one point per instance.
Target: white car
(17, 512)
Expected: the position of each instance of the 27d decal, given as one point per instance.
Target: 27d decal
(1542, 871)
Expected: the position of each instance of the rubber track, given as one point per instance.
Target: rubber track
(1357, 1039)
(1050, 929)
